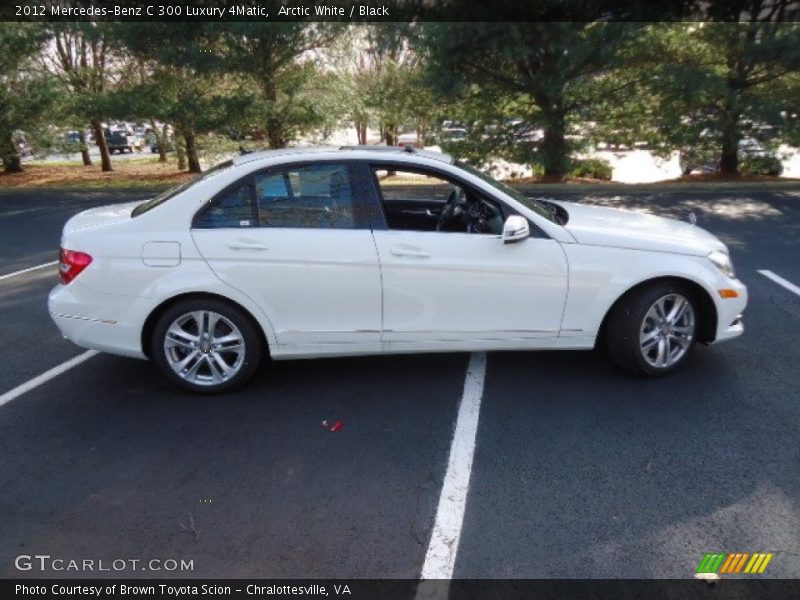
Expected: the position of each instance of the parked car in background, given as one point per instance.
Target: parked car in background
(71, 142)
(409, 139)
(155, 147)
(755, 158)
(119, 141)
(302, 253)
(452, 134)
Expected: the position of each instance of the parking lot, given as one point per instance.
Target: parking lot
(579, 470)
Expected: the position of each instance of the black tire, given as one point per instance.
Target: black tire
(253, 344)
(625, 322)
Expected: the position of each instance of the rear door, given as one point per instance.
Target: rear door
(296, 240)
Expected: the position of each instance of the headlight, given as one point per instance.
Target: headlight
(723, 262)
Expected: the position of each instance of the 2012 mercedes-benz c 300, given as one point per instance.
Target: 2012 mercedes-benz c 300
(362, 250)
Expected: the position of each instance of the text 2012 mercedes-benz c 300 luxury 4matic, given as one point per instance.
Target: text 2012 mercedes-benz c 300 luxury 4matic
(331, 252)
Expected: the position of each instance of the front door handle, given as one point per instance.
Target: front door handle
(405, 251)
(246, 246)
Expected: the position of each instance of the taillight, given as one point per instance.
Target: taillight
(71, 263)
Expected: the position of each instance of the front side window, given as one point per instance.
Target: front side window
(541, 209)
(316, 196)
(419, 200)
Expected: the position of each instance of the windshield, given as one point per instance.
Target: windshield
(172, 192)
(534, 205)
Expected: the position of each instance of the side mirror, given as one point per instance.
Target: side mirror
(515, 229)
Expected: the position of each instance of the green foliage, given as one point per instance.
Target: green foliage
(25, 96)
(761, 165)
(596, 168)
(535, 93)
(553, 74)
(279, 59)
(707, 86)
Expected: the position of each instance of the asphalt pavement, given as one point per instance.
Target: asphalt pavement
(579, 470)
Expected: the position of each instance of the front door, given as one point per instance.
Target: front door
(453, 282)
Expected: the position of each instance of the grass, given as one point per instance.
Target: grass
(129, 174)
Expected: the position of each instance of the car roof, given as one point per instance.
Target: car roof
(346, 152)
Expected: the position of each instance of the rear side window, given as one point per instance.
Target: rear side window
(234, 208)
(171, 193)
(312, 196)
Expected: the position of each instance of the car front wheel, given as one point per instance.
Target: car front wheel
(653, 331)
(206, 346)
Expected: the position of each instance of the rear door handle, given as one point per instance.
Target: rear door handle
(404, 251)
(246, 246)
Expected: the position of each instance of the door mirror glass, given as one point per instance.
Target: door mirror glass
(515, 229)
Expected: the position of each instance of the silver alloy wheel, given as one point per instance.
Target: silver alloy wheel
(204, 347)
(667, 331)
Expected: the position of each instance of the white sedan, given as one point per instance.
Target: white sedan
(354, 251)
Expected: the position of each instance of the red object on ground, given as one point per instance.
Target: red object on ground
(336, 426)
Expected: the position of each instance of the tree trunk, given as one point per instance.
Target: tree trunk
(276, 131)
(729, 158)
(555, 157)
(361, 132)
(87, 160)
(11, 160)
(100, 140)
(276, 136)
(180, 150)
(191, 152)
(161, 140)
(391, 135)
(422, 132)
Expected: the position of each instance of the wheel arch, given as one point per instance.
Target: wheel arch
(706, 307)
(155, 314)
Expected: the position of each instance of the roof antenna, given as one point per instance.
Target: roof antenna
(410, 149)
(243, 150)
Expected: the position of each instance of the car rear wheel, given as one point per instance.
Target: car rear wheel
(206, 346)
(653, 330)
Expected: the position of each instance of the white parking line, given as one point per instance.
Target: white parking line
(780, 281)
(46, 376)
(28, 270)
(440, 559)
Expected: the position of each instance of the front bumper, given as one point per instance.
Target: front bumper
(729, 312)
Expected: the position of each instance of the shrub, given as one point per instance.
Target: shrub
(765, 164)
(595, 168)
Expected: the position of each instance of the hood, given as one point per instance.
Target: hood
(601, 226)
(103, 215)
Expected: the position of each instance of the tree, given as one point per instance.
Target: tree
(552, 72)
(25, 96)
(279, 58)
(725, 81)
(88, 63)
(185, 83)
(395, 79)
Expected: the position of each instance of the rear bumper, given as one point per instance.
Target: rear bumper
(96, 321)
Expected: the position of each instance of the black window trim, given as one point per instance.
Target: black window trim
(362, 200)
(382, 224)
